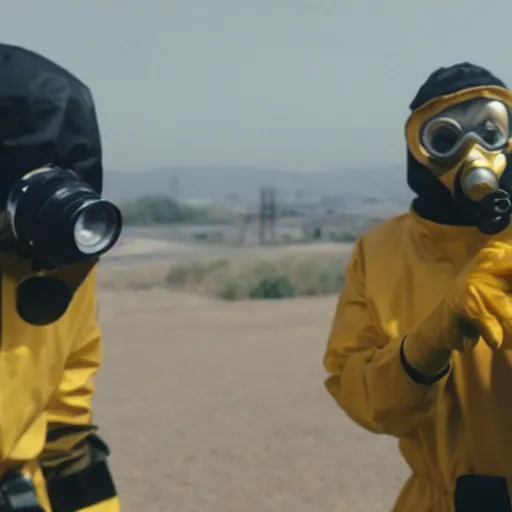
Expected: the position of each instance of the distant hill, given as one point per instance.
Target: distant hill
(362, 191)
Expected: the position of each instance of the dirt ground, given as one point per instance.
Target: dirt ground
(217, 407)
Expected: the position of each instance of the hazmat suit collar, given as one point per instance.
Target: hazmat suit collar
(437, 241)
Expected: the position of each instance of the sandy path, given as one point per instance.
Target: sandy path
(213, 407)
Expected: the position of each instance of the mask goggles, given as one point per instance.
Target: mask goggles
(482, 122)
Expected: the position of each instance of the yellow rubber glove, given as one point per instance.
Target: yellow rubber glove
(478, 306)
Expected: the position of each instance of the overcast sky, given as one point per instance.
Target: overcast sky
(304, 84)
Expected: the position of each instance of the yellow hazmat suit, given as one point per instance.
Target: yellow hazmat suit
(454, 427)
(46, 388)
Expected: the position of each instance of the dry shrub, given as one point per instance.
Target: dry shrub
(283, 277)
(133, 278)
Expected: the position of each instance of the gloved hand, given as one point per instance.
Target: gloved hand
(479, 305)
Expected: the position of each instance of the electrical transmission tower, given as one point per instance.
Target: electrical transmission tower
(268, 215)
(175, 187)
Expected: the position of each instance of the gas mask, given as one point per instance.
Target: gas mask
(464, 140)
(56, 221)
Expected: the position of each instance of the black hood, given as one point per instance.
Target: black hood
(434, 201)
(47, 116)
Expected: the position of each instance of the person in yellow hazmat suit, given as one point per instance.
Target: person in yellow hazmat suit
(54, 225)
(421, 343)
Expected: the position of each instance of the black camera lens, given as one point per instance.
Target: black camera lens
(57, 219)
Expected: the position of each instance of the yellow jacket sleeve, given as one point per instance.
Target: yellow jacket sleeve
(71, 445)
(366, 375)
(68, 411)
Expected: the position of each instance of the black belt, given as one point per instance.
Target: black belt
(71, 493)
(482, 493)
(83, 489)
(91, 484)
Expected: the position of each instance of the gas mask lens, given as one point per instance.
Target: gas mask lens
(95, 228)
(483, 122)
(57, 219)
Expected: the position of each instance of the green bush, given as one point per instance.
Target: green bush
(278, 287)
(151, 210)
